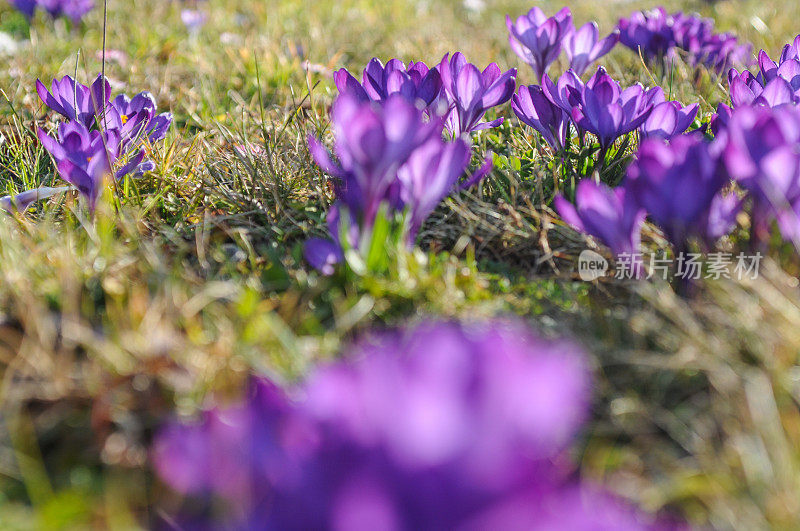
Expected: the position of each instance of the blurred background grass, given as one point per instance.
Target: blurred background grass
(192, 277)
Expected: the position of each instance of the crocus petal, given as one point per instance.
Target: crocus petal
(158, 127)
(131, 165)
(48, 98)
(322, 157)
(469, 86)
(51, 145)
(322, 254)
(480, 173)
(22, 201)
(741, 94)
(568, 212)
(501, 91)
(489, 125)
(346, 83)
(777, 92)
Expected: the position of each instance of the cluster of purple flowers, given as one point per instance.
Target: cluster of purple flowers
(445, 426)
(74, 9)
(600, 107)
(680, 184)
(455, 89)
(538, 40)
(776, 83)
(392, 155)
(100, 136)
(659, 35)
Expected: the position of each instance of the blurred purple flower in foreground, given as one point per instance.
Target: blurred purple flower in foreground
(443, 426)
(415, 82)
(470, 92)
(611, 216)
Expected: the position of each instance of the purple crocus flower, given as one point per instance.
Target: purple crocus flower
(761, 154)
(84, 158)
(609, 215)
(415, 82)
(138, 115)
(649, 32)
(372, 142)
(722, 51)
(720, 218)
(788, 69)
(743, 87)
(537, 39)
(389, 154)
(470, 92)
(607, 111)
(718, 51)
(75, 101)
(668, 119)
(74, 9)
(746, 89)
(690, 32)
(533, 107)
(584, 47)
(236, 452)
(135, 120)
(676, 183)
(565, 92)
(444, 426)
(323, 254)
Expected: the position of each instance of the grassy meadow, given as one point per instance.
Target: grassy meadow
(189, 280)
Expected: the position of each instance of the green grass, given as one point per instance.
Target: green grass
(191, 279)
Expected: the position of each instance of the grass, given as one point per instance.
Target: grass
(191, 279)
